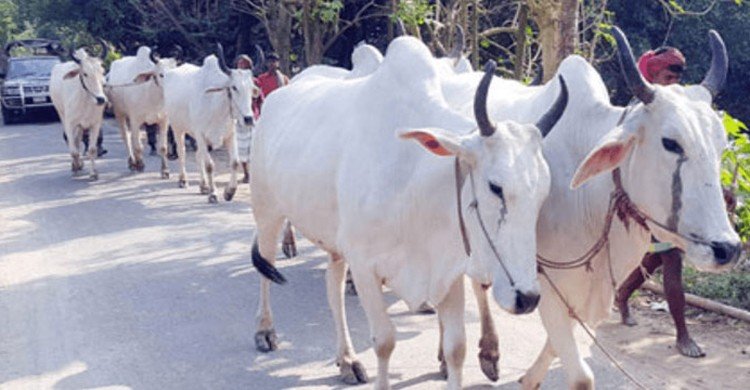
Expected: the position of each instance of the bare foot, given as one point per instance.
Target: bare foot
(689, 348)
(625, 317)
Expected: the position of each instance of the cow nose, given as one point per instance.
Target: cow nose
(100, 100)
(248, 120)
(526, 302)
(725, 252)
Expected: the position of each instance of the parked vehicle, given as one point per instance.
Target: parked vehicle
(25, 89)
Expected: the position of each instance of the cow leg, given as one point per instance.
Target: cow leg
(288, 244)
(180, 139)
(268, 230)
(162, 145)
(534, 376)
(73, 137)
(123, 124)
(210, 175)
(559, 326)
(381, 328)
(135, 141)
(93, 150)
(352, 371)
(200, 158)
(451, 317)
(489, 352)
(234, 165)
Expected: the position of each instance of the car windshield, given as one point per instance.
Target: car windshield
(37, 67)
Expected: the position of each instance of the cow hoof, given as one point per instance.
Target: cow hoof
(528, 386)
(690, 348)
(353, 373)
(165, 175)
(131, 165)
(204, 189)
(229, 194)
(213, 199)
(351, 289)
(426, 308)
(289, 248)
(140, 166)
(266, 340)
(443, 370)
(94, 177)
(488, 364)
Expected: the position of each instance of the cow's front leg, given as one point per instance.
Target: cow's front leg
(352, 371)
(200, 158)
(135, 142)
(180, 140)
(93, 149)
(453, 333)
(234, 165)
(73, 136)
(162, 145)
(489, 352)
(381, 328)
(212, 198)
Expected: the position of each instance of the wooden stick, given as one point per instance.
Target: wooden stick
(703, 303)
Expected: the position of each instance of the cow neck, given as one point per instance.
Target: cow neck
(460, 178)
(83, 85)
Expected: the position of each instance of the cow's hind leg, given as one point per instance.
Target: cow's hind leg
(288, 244)
(93, 149)
(352, 371)
(453, 334)
(264, 256)
(381, 328)
(489, 352)
(180, 140)
(162, 145)
(135, 142)
(210, 166)
(200, 158)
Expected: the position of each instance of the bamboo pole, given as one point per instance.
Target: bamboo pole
(703, 303)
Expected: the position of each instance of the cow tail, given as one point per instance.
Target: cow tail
(265, 268)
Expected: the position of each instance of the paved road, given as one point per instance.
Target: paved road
(131, 282)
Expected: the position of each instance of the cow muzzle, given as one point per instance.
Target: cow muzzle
(526, 302)
(248, 120)
(725, 252)
(100, 100)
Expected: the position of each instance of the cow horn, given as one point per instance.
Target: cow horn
(153, 55)
(222, 60)
(638, 86)
(261, 62)
(178, 52)
(538, 77)
(458, 45)
(480, 100)
(550, 118)
(105, 49)
(717, 74)
(400, 30)
(72, 53)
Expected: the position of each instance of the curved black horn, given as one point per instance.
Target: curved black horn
(153, 55)
(261, 62)
(550, 118)
(458, 45)
(486, 128)
(400, 29)
(638, 86)
(105, 49)
(178, 52)
(72, 53)
(539, 77)
(222, 60)
(717, 74)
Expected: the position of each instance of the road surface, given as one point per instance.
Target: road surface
(132, 282)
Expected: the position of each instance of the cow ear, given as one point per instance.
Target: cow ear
(71, 74)
(215, 89)
(610, 152)
(437, 141)
(143, 77)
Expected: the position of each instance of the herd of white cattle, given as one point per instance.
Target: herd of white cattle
(413, 171)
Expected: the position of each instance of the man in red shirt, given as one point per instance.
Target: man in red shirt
(271, 80)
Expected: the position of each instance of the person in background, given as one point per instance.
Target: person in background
(243, 133)
(663, 66)
(271, 80)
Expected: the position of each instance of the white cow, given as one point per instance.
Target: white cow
(205, 102)
(326, 156)
(365, 59)
(667, 149)
(76, 90)
(136, 90)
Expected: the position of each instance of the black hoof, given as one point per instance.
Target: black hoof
(353, 373)
(204, 189)
(266, 340)
(488, 364)
(213, 199)
(426, 308)
(182, 183)
(165, 175)
(229, 194)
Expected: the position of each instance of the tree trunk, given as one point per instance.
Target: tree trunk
(520, 62)
(279, 28)
(558, 30)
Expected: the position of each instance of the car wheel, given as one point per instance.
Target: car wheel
(8, 117)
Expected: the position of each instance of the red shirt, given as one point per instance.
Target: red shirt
(268, 82)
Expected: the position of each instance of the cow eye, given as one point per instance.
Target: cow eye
(235, 89)
(497, 190)
(672, 146)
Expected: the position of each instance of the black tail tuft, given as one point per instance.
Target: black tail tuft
(265, 268)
